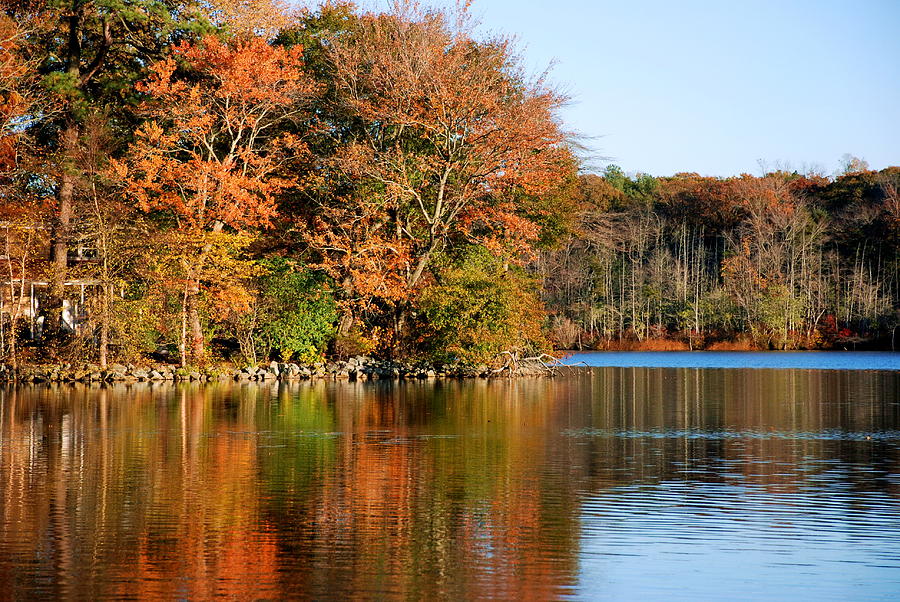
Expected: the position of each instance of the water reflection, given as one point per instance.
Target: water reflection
(534, 489)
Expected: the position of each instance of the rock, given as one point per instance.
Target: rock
(289, 371)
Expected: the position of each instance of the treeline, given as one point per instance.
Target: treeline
(783, 261)
(232, 178)
(208, 179)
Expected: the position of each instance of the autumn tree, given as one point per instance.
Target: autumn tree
(209, 154)
(22, 234)
(21, 240)
(114, 239)
(261, 18)
(89, 54)
(477, 309)
(22, 99)
(434, 136)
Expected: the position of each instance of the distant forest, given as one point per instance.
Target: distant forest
(205, 180)
(782, 261)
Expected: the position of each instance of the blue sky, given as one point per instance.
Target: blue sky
(715, 86)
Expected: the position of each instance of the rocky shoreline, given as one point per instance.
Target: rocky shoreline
(354, 369)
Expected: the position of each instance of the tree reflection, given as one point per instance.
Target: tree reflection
(447, 489)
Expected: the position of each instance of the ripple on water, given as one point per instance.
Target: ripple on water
(825, 435)
(621, 484)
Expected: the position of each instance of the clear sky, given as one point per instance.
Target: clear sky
(714, 86)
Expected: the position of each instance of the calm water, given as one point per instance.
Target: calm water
(813, 360)
(624, 483)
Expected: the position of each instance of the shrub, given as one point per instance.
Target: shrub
(477, 308)
(292, 316)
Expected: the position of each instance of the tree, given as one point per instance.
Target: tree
(852, 165)
(476, 310)
(22, 99)
(89, 54)
(434, 134)
(116, 234)
(292, 314)
(22, 232)
(21, 238)
(210, 153)
(246, 18)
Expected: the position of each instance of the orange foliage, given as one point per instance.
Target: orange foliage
(19, 91)
(712, 202)
(769, 197)
(263, 18)
(449, 133)
(744, 343)
(206, 153)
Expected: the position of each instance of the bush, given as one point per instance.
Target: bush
(293, 314)
(477, 309)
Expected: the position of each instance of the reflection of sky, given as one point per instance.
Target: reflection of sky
(703, 541)
(812, 360)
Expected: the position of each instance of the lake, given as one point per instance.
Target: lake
(614, 483)
(811, 360)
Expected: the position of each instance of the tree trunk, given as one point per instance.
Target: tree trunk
(400, 317)
(182, 344)
(346, 323)
(197, 339)
(65, 194)
(104, 328)
(61, 233)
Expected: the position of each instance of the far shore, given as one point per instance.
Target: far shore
(662, 344)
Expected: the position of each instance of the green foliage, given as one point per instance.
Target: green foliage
(775, 309)
(134, 326)
(719, 311)
(476, 310)
(296, 312)
(636, 191)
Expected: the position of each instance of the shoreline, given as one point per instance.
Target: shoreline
(354, 369)
(632, 345)
(361, 368)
